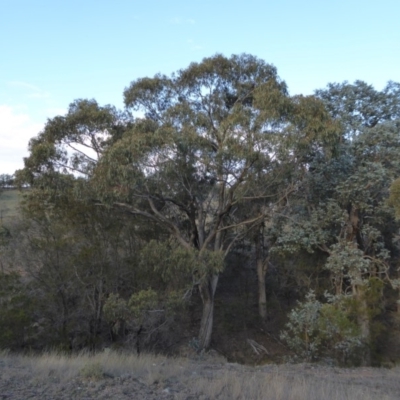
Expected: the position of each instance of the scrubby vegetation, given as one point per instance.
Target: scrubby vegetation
(229, 215)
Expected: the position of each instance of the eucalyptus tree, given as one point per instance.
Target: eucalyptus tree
(72, 144)
(213, 138)
(345, 212)
(218, 144)
(369, 162)
(72, 254)
(394, 197)
(360, 106)
(75, 251)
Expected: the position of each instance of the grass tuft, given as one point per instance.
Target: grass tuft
(93, 371)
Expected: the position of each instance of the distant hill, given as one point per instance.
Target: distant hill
(9, 202)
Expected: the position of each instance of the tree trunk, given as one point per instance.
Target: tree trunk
(262, 295)
(363, 320)
(398, 301)
(207, 291)
(262, 266)
(364, 323)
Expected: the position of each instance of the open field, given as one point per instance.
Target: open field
(111, 375)
(9, 202)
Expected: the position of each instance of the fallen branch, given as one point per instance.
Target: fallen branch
(258, 348)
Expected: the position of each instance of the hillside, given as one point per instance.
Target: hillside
(9, 202)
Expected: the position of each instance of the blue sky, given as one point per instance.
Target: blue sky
(53, 51)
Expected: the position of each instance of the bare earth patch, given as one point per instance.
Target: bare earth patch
(111, 375)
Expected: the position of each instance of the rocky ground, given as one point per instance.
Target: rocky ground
(113, 376)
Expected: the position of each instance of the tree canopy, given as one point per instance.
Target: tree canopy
(213, 164)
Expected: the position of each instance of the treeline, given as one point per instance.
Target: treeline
(224, 178)
(7, 181)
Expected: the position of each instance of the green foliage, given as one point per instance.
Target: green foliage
(175, 303)
(323, 331)
(346, 216)
(347, 261)
(166, 258)
(331, 330)
(72, 253)
(124, 215)
(374, 296)
(176, 265)
(359, 105)
(301, 332)
(210, 262)
(394, 198)
(86, 125)
(115, 309)
(340, 334)
(146, 308)
(16, 312)
(142, 302)
(308, 232)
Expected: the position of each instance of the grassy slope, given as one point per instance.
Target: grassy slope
(9, 202)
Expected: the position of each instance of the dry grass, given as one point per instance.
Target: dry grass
(184, 378)
(111, 364)
(9, 202)
(277, 386)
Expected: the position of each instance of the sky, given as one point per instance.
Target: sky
(53, 52)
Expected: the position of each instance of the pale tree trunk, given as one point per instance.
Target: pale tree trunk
(363, 322)
(363, 319)
(207, 292)
(262, 266)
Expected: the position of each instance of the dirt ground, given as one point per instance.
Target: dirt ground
(111, 376)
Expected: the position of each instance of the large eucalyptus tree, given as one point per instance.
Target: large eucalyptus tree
(212, 148)
(212, 138)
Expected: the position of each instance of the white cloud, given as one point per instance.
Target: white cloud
(16, 129)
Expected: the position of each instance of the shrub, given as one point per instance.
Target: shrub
(15, 312)
(324, 331)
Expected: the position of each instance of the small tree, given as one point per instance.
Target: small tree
(324, 331)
